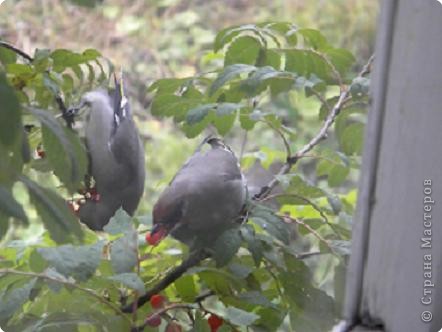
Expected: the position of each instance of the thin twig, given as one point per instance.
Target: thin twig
(322, 134)
(16, 50)
(69, 284)
(311, 230)
(281, 134)
(309, 202)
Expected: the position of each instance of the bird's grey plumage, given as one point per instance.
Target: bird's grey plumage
(205, 197)
(116, 158)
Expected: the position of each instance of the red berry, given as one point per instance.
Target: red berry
(215, 322)
(153, 320)
(153, 240)
(96, 197)
(157, 301)
(173, 327)
(40, 152)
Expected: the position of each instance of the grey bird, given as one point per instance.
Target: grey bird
(204, 198)
(116, 156)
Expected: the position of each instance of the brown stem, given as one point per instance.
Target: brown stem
(194, 259)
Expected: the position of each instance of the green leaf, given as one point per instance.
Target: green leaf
(185, 287)
(172, 105)
(240, 317)
(360, 87)
(121, 222)
(197, 114)
(7, 56)
(10, 114)
(333, 165)
(124, 253)
(225, 117)
(226, 246)
(246, 121)
(243, 50)
(253, 244)
(352, 139)
(79, 262)
(131, 280)
(307, 62)
(228, 74)
(313, 38)
(302, 187)
(14, 299)
(10, 207)
(265, 76)
(227, 35)
(272, 224)
(312, 310)
(167, 85)
(341, 58)
(65, 152)
(270, 58)
(54, 212)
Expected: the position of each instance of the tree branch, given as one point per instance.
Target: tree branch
(322, 134)
(16, 50)
(194, 259)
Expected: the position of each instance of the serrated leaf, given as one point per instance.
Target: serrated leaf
(352, 139)
(13, 300)
(226, 246)
(197, 114)
(240, 317)
(64, 150)
(302, 187)
(253, 244)
(311, 308)
(131, 280)
(228, 74)
(167, 85)
(341, 58)
(121, 222)
(10, 207)
(79, 262)
(243, 50)
(313, 38)
(124, 253)
(227, 35)
(172, 105)
(272, 224)
(54, 212)
(307, 62)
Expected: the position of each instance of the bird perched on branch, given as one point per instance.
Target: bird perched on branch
(204, 198)
(116, 157)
